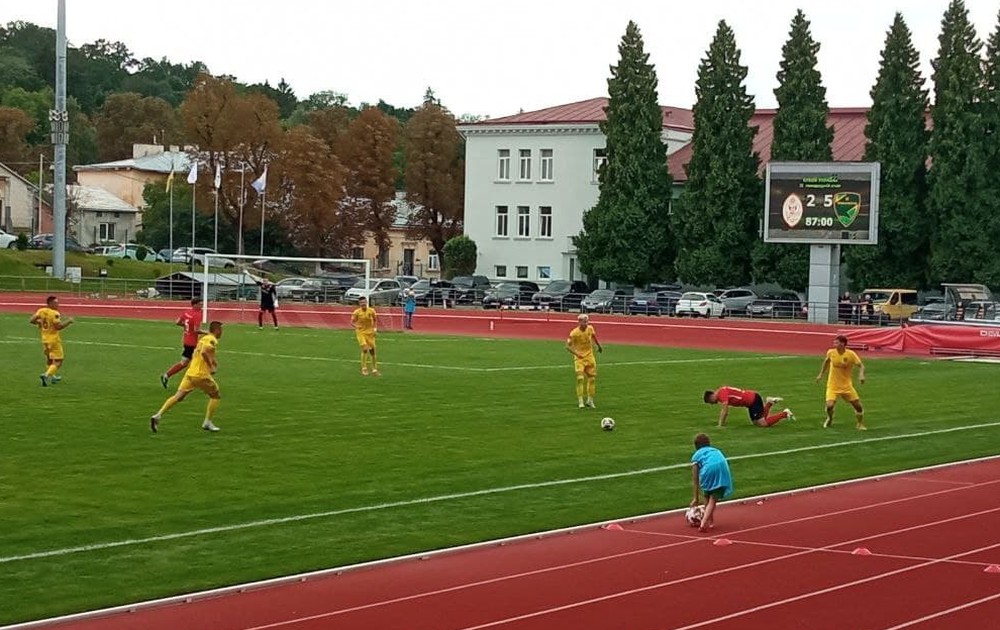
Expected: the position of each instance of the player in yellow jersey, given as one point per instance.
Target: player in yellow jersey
(365, 322)
(198, 376)
(50, 324)
(581, 342)
(840, 383)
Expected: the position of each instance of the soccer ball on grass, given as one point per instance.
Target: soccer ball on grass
(608, 424)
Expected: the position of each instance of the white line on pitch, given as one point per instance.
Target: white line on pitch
(458, 495)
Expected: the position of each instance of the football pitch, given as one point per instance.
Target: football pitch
(461, 439)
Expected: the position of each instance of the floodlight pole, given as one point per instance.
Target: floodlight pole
(59, 123)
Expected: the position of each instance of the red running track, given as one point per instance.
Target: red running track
(912, 550)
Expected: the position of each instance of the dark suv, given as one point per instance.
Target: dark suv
(469, 289)
(561, 295)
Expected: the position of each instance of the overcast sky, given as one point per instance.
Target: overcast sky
(496, 58)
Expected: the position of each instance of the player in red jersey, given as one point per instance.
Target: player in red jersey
(758, 408)
(190, 321)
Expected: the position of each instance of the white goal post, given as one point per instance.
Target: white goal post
(238, 270)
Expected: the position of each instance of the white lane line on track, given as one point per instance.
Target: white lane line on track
(240, 588)
(457, 496)
(942, 613)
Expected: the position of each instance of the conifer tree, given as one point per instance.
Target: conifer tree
(717, 216)
(991, 136)
(957, 177)
(626, 236)
(801, 134)
(897, 139)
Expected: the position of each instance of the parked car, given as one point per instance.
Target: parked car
(325, 289)
(195, 256)
(696, 304)
(561, 295)
(405, 281)
(128, 250)
(510, 294)
(893, 304)
(737, 300)
(110, 251)
(469, 289)
(7, 241)
(430, 292)
(284, 287)
(654, 303)
(132, 251)
(164, 255)
(377, 290)
(604, 301)
(935, 311)
(786, 304)
(45, 241)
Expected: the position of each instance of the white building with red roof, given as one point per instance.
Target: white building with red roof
(530, 177)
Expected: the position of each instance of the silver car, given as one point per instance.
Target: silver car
(737, 300)
(377, 290)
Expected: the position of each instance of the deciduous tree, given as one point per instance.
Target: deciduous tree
(435, 174)
(716, 217)
(127, 118)
(15, 125)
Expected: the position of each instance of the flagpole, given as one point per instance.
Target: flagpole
(218, 184)
(193, 191)
(263, 200)
(170, 188)
(239, 246)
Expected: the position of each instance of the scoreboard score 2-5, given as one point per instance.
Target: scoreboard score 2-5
(822, 202)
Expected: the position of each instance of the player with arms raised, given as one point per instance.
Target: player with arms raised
(581, 342)
(50, 324)
(190, 321)
(364, 320)
(199, 375)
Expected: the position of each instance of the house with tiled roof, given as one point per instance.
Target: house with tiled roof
(127, 178)
(97, 216)
(530, 176)
(19, 205)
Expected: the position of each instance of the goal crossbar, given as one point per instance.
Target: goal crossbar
(207, 272)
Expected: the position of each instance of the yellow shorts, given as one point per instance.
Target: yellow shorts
(585, 366)
(206, 384)
(53, 350)
(366, 339)
(850, 395)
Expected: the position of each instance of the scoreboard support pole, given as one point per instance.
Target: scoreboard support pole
(824, 283)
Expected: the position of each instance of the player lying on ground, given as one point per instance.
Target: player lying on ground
(758, 408)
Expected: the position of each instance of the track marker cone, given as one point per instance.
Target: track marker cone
(861, 551)
(722, 542)
(613, 527)
(993, 568)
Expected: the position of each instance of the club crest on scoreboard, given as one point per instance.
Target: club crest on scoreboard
(792, 210)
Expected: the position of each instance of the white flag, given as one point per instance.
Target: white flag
(260, 183)
(218, 176)
(193, 175)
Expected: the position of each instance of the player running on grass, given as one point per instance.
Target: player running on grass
(758, 408)
(198, 376)
(50, 324)
(840, 383)
(190, 321)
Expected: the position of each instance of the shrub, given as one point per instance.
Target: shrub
(140, 253)
(22, 241)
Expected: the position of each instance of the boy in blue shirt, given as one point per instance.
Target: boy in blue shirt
(709, 476)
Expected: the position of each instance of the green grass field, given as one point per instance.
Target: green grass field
(461, 440)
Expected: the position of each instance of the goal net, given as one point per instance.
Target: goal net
(309, 292)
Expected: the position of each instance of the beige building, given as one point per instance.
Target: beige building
(19, 205)
(98, 216)
(407, 255)
(126, 179)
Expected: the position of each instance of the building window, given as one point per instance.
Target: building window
(546, 161)
(382, 262)
(358, 253)
(501, 271)
(503, 165)
(502, 221)
(106, 232)
(522, 271)
(433, 262)
(545, 221)
(524, 174)
(523, 221)
(600, 159)
(544, 273)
